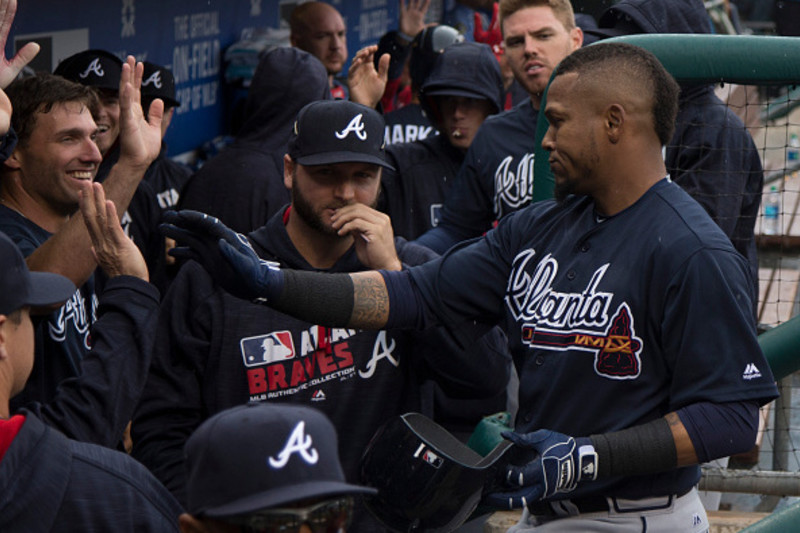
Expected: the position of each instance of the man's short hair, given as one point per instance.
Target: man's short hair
(39, 93)
(298, 19)
(633, 67)
(562, 9)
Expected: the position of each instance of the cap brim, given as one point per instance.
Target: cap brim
(49, 289)
(452, 91)
(286, 494)
(329, 158)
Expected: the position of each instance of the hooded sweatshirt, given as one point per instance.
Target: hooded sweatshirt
(414, 192)
(243, 185)
(711, 155)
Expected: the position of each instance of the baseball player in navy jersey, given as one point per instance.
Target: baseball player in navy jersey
(496, 177)
(605, 294)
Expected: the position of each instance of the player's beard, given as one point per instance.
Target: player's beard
(312, 217)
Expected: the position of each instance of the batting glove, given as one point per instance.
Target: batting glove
(559, 463)
(226, 255)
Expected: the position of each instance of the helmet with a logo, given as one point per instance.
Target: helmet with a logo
(427, 479)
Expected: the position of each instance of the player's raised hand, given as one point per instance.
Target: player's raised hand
(9, 69)
(556, 463)
(114, 251)
(367, 83)
(412, 16)
(372, 234)
(225, 254)
(140, 138)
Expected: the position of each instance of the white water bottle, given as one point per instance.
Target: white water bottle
(770, 223)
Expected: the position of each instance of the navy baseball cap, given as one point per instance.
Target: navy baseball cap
(338, 131)
(261, 455)
(95, 68)
(19, 287)
(158, 82)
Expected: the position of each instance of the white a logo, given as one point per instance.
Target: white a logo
(95, 67)
(299, 443)
(356, 126)
(155, 79)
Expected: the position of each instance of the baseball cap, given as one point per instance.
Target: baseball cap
(261, 455)
(95, 68)
(158, 82)
(427, 479)
(19, 287)
(337, 131)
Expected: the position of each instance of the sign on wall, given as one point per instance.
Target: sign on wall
(187, 36)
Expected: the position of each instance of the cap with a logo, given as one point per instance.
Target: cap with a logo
(20, 287)
(337, 131)
(95, 68)
(262, 455)
(158, 82)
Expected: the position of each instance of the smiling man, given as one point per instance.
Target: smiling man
(55, 154)
(496, 177)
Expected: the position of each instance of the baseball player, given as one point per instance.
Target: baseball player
(215, 351)
(628, 312)
(496, 177)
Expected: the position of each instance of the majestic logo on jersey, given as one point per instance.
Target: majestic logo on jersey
(751, 372)
(355, 126)
(298, 443)
(318, 396)
(95, 67)
(76, 312)
(560, 321)
(155, 79)
(513, 189)
(275, 346)
(279, 365)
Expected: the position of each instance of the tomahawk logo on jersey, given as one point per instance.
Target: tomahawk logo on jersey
(561, 321)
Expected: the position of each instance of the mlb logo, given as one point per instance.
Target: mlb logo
(432, 459)
(265, 349)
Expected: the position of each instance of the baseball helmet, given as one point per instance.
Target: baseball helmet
(427, 479)
(426, 47)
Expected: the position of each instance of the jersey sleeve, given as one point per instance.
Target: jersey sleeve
(710, 344)
(171, 407)
(467, 210)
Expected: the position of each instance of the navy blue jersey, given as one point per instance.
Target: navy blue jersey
(407, 124)
(496, 177)
(62, 337)
(609, 320)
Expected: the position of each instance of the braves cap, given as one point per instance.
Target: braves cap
(19, 287)
(158, 82)
(262, 455)
(95, 68)
(337, 131)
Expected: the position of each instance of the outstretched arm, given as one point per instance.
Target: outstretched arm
(358, 300)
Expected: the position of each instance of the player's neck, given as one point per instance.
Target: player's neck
(14, 196)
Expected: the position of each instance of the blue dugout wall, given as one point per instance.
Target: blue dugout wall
(188, 36)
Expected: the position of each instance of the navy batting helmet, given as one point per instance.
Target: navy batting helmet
(427, 480)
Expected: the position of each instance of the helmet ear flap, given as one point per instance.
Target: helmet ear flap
(427, 479)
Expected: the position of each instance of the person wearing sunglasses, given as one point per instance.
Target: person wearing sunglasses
(267, 468)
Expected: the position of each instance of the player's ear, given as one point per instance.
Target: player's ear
(288, 171)
(13, 161)
(613, 120)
